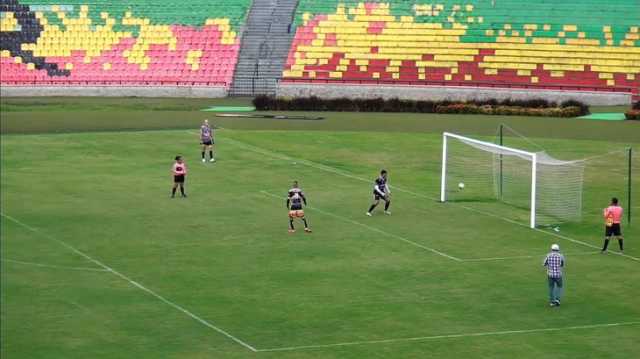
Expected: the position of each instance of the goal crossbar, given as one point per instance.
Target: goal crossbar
(531, 155)
(488, 144)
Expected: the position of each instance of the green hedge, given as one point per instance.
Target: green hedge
(463, 108)
(535, 107)
(634, 112)
(632, 115)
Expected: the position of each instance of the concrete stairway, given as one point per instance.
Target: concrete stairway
(265, 45)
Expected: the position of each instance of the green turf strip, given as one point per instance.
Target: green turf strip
(74, 114)
(229, 109)
(605, 116)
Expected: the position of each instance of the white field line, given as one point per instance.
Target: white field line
(131, 281)
(451, 336)
(586, 244)
(86, 269)
(395, 236)
(541, 256)
(416, 194)
(553, 234)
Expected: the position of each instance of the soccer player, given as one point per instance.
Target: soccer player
(554, 263)
(295, 199)
(179, 171)
(381, 191)
(612, 217)
(206, 140)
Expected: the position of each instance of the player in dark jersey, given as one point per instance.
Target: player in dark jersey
(206, 140)
(381, 191)
(295, 201)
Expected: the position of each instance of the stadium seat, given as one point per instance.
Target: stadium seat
(106, 42)
(553, 44)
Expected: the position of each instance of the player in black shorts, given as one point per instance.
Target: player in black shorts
(613, 217)
(179, 171)
(206, 140)
(295, 201)
(381, 191)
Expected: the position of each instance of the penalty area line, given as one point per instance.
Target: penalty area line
(129, 280)
(586, 244)
(329, 169)
(42, 265)
(451, 336)
(374, 229)
(524, 257)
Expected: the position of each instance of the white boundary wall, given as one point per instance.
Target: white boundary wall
(434, 93)
(114, 91)
(452, 93)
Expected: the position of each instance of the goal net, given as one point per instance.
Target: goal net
(549, 189)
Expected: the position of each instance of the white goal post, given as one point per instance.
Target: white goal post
(547, 187)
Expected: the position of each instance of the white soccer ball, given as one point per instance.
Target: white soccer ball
(460, 185)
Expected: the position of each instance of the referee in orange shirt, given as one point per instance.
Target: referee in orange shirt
(612, 217)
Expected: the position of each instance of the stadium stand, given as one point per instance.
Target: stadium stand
(265, 44)
(111, 42)
(589, 45)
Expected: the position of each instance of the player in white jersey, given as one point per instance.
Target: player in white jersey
(206, 140)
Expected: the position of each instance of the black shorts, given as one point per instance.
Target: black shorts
(208, 142)
(178, 178)
(614, 230)
(377, 196)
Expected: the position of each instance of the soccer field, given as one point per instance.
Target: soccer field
(99, 262)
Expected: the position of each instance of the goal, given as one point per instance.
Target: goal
(549, 189)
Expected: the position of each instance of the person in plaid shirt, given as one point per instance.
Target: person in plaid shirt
(554, 263)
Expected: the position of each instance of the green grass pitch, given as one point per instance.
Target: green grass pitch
(99, 262)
